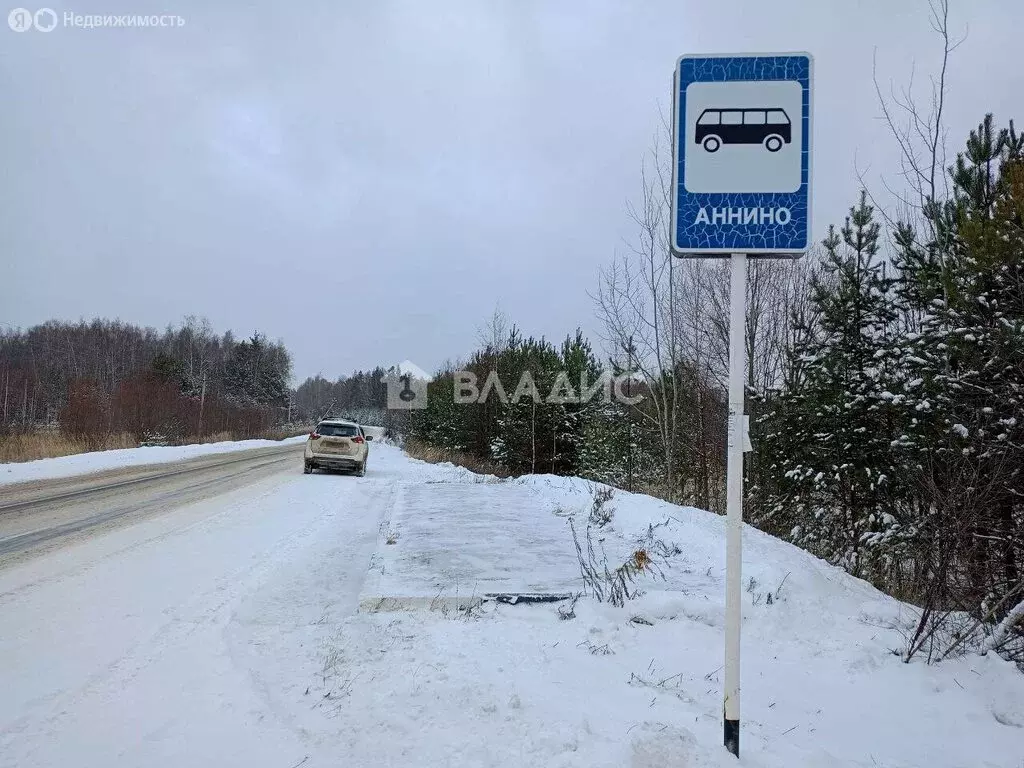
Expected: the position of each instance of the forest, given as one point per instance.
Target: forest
(108, 383)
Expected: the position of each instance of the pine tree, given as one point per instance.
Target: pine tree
(442, 423)
(581, 370)
(828, 438)
(167, 369)
(604, 448)
(257, 373)
(962, 291)
(528, 426)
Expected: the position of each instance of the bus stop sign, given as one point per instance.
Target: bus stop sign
(742, 154)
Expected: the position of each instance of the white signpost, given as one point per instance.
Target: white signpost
(741, 186)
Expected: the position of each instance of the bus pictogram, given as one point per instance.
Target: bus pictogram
(767, 126)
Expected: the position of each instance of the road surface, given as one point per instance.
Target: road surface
(137, 622)
(36, 514)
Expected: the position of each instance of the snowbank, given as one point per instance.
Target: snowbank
(101, 461)
(638, 685)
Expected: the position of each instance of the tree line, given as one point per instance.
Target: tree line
(98, 378)
(896, 447)
(529, 405)
(362, 397)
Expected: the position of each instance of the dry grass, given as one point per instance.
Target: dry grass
(48, 445)
(434, 455)
(225, 437)
(283, 434)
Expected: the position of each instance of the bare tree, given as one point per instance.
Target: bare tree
(494, 334)
(920, 133)
(673, 315)
(635, 301)
(775, 288)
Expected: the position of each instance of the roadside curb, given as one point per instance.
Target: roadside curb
(439, 604)
(371, 591)
(446, 603)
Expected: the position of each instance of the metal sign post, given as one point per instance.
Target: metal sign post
(734, 499)
(741, 186)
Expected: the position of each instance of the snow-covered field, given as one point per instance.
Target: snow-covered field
(101, 461)
(229, 634)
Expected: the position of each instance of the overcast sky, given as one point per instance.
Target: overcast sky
(367, 181)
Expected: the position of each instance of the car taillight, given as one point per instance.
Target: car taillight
(314, 436)
(358, 440)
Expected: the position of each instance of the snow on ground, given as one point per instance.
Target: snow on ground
(228, 634)
(459, 538)
(133, 648)
(639, 685)
(101, 461)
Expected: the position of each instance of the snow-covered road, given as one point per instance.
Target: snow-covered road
(133, 648)
(42, 514)
(228, 632)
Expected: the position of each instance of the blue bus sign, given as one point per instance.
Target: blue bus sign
(742, 154)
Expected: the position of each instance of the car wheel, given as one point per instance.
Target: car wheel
(773, 143)
(307, 468)
(711, 143)
(361, 472)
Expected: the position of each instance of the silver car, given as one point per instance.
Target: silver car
(339, 445)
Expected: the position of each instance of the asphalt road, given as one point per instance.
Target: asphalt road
(39, 515)
(173, 616)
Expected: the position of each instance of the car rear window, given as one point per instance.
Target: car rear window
(337, 430)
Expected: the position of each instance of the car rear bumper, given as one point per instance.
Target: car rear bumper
(332, 461)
